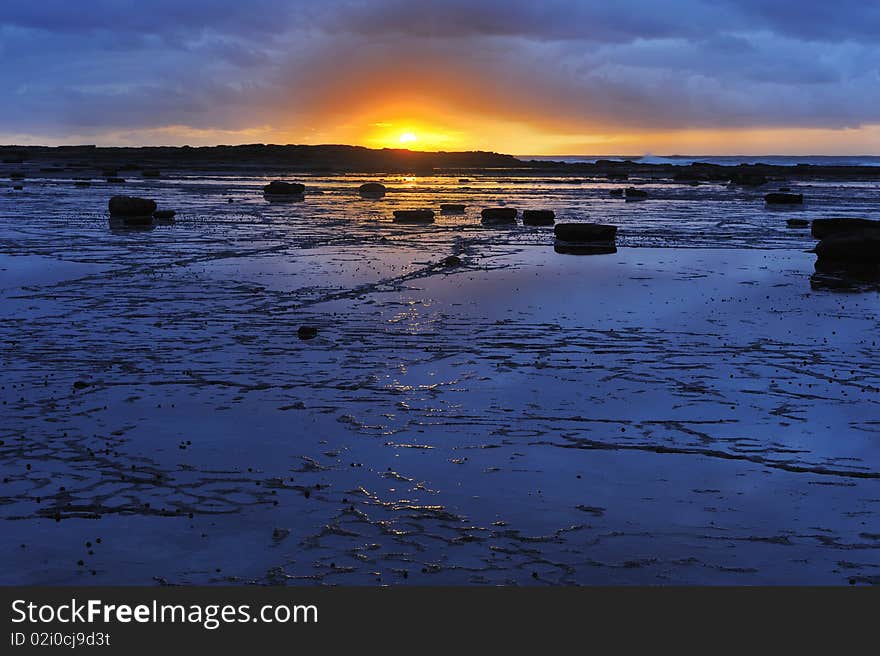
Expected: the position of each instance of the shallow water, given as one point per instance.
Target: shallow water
(687, 410)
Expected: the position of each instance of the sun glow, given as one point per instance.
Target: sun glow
(408, 137)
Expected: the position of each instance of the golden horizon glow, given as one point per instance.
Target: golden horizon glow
(455, 133)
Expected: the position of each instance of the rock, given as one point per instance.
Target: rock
(617, 193)
(826, 227)
(633, 193)
(585, 232)
(372, 189)
(18, 187)
(307, 332)
(748, 179)
(538, 217)
(464, 180)
(779, 198)
(452, 208)
(131, 206)
(164, 215)
(116, 180)
(497, 215)
(797, 223)
(573, 248)
(851, 248)
(413, 216)
(281, 188)
(80, 384)
(452, 261)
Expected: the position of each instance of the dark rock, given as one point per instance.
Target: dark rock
(281, 188)
(585, 232)
(797, 223)
(452, 261)
(463, 180)
(826, 227)
(372, 189)
(574, 248)
(854, 248)
(452, 208)
(633, 193)
(413, 216)
(116, 180)
(538, 217)
(779, 198)
(18, 187)
(617, 193)
(748, 179)
(307, 332)
(131, 206)
(499, 215)
(164, 214)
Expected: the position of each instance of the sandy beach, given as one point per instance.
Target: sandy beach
(696, 407)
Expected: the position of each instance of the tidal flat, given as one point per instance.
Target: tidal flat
(698, 407)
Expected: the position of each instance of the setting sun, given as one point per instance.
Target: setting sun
(408, 137)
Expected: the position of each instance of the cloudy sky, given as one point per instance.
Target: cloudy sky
(526, 77)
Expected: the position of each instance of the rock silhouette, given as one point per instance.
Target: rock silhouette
(413, 216)
(780, 198)
(827, 227)
(538, 217)
(498, 215)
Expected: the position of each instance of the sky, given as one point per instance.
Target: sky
(514, 76)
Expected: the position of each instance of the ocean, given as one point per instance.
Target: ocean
(724, 160)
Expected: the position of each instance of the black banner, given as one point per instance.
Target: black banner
(171, 619)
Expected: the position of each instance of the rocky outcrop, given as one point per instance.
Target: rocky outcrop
(413, 216)
(281, 188)
(827, 227)
(498, 215)
(585, 232)
(781, 198)
(374, 189)
(538, 217)
(857, 248)
(635, 194)
(131, 207)
(748, 179)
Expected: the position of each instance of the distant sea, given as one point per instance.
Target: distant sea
(724, 160)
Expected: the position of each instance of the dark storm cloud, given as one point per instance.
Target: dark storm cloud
(71, 67)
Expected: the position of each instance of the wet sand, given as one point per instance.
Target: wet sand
(690, 409)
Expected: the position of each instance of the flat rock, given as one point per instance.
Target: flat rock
(131, 206)
(826, 227)
(413, 216)
(281, 188)
(499, 215)
(780, 198)
(538, 217)
(585, 232)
